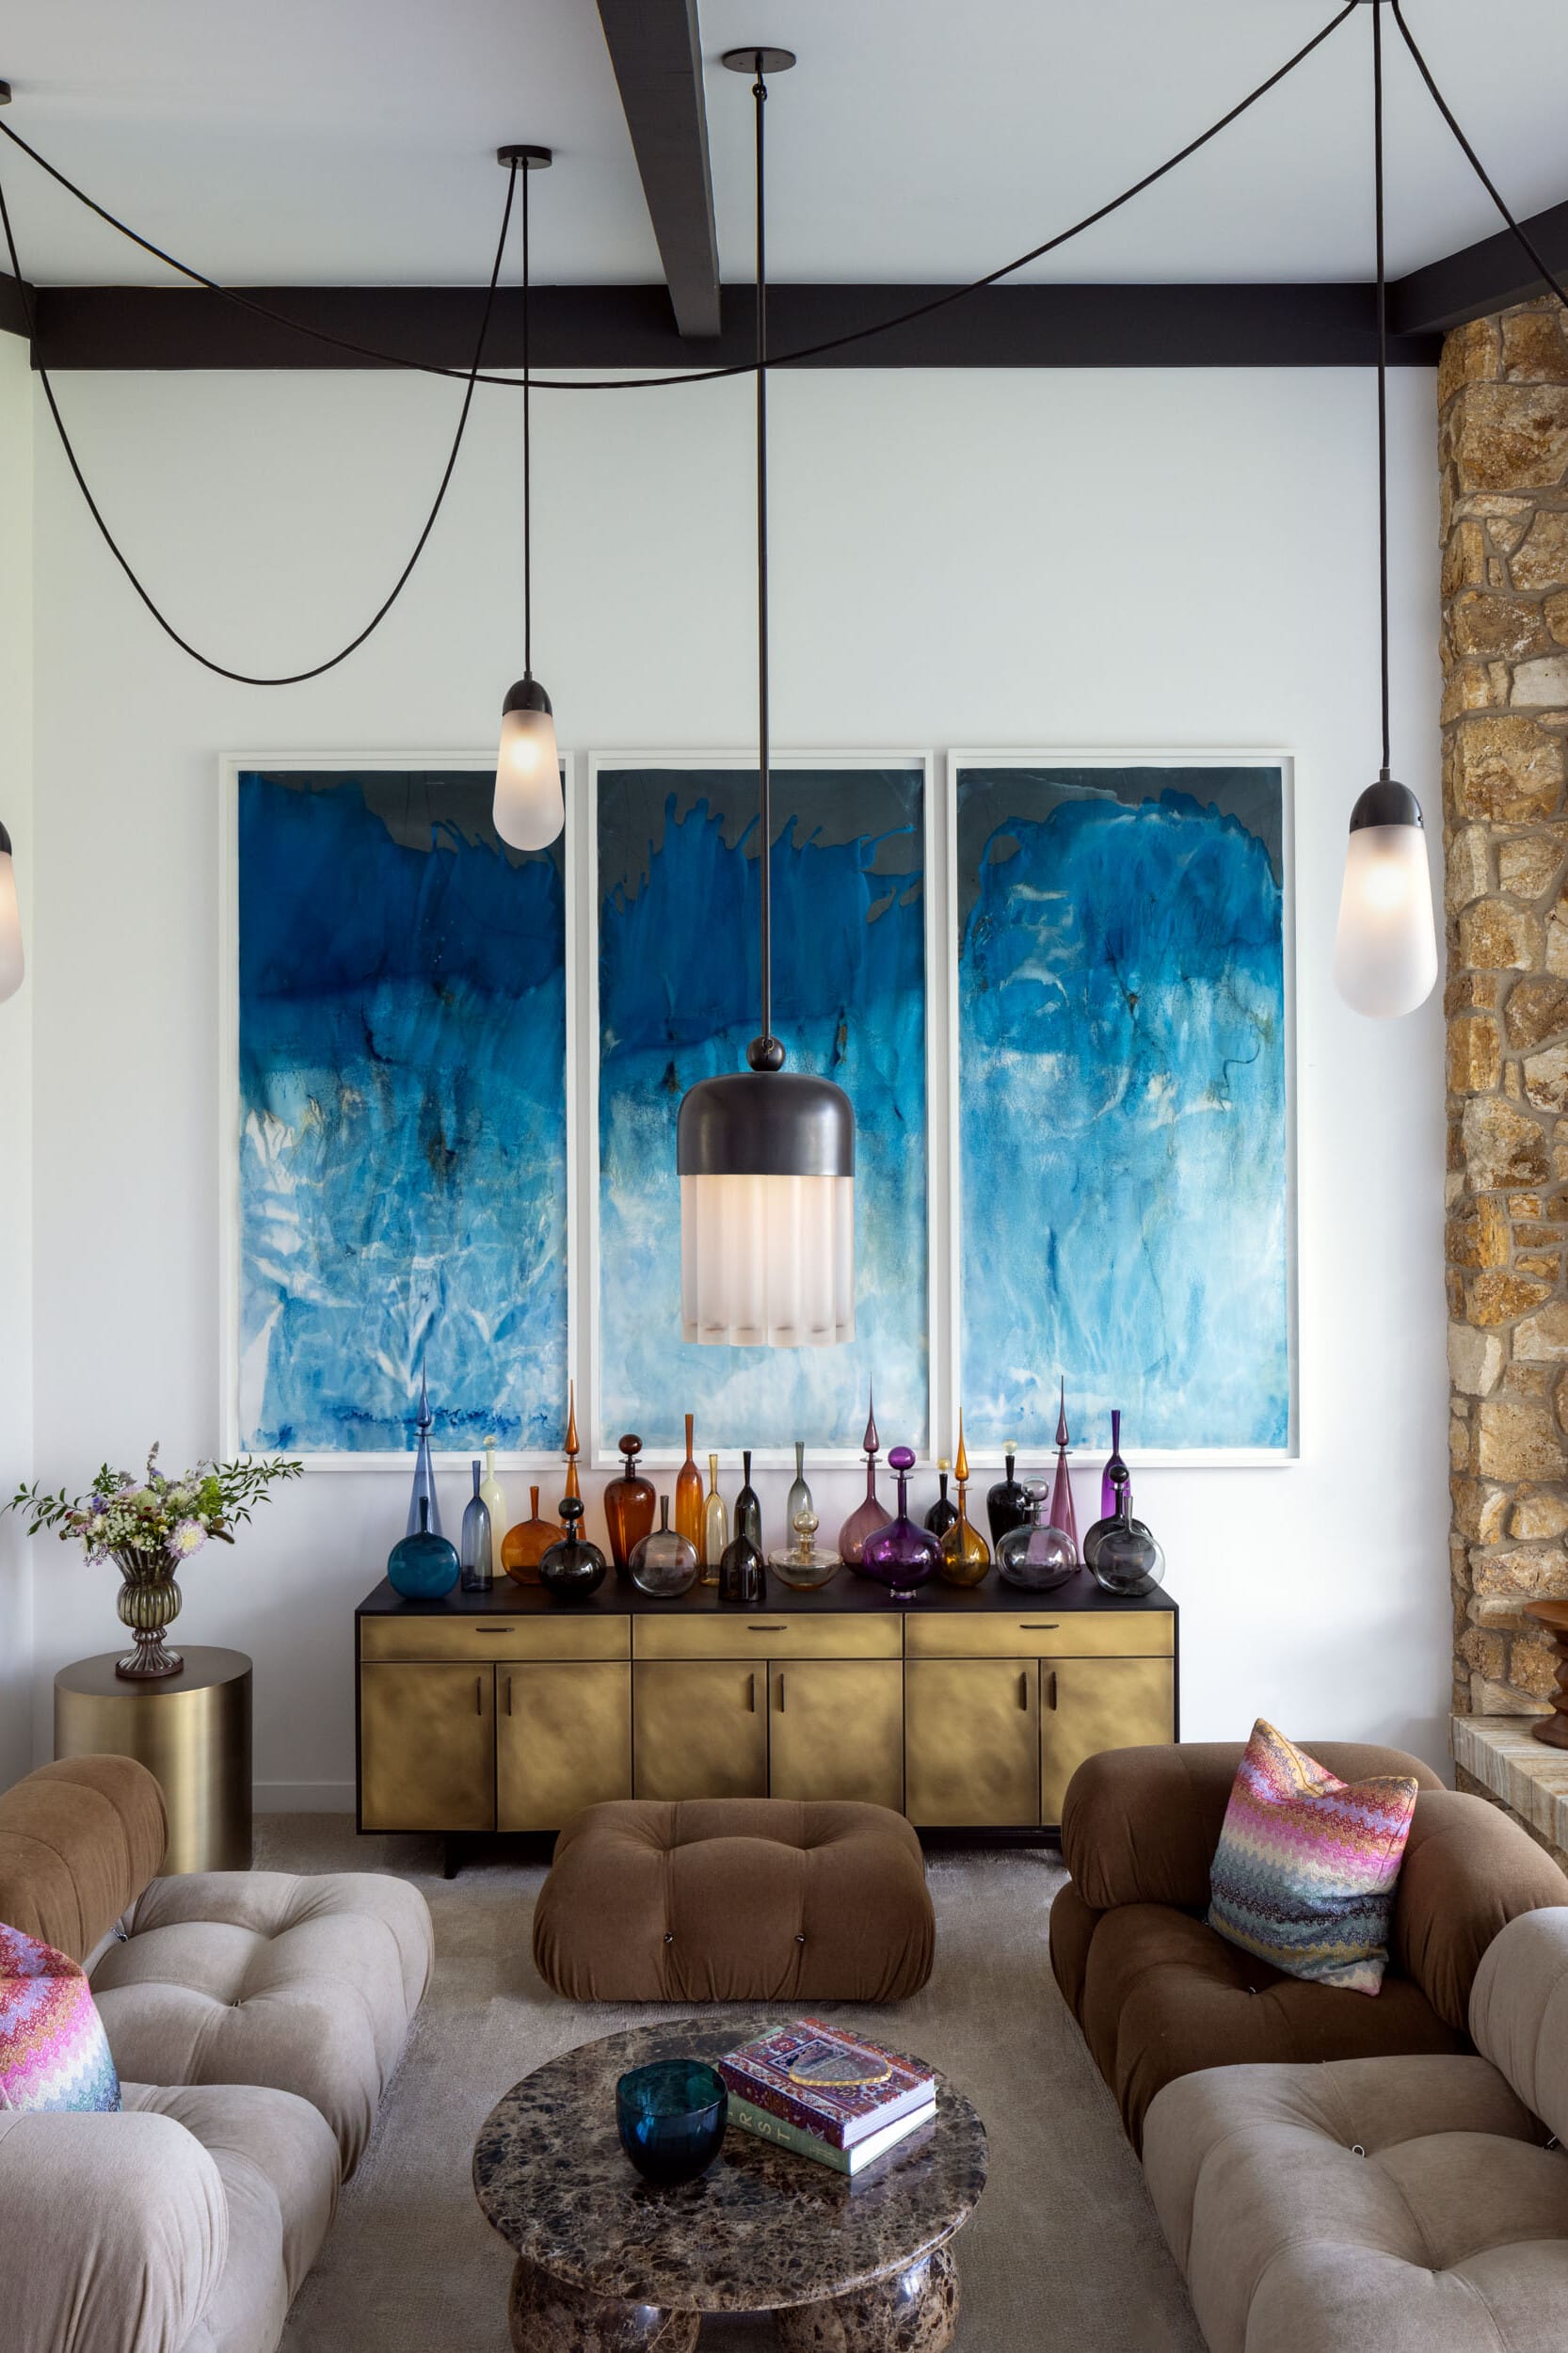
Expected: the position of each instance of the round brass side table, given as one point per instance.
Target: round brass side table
(192, 1730)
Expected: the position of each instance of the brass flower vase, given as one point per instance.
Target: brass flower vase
(149, 1601)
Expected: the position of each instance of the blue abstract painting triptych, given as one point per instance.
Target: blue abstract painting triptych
(402, 1136)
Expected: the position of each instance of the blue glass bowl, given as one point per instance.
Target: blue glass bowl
(671, 2119)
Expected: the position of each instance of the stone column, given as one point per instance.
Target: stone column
(1503, 440)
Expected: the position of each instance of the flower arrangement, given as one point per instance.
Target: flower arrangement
(155, 1514)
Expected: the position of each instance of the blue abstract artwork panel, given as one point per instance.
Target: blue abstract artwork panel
(402, 1117)
(678, 887)
(1123, 1140)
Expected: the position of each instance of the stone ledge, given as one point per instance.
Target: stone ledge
(1531, 1779)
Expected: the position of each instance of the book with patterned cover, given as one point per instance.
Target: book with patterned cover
(834, 2086)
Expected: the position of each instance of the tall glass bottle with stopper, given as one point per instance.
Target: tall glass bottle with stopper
(716, 1525)
(748, 1509)
(1115, 1464)
(903, 1556)
(474, 1549)
(799, 1497)
(629, 1502)
(572, 1449)
(966, 1555)
(944, 1510)
(1007, 1504)
(427, 1522)
(1063, 1512)
(868, 1515)
(688, 1497)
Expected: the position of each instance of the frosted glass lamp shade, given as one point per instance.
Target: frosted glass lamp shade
(530, 810)
(767, 1211)
(11, 922)
(1385, 952)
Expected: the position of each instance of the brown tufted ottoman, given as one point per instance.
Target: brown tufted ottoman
(735, 1899)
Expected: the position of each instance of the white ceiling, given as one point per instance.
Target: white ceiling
(348, 141)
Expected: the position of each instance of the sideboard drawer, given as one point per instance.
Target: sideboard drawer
(768, 1634)
(1038, 1634)
(561, 1635)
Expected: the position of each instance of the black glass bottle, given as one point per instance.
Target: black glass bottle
(944, 1511)
(748, 1509)
(742, 1575)
(572, 1569)
(1008, 1505)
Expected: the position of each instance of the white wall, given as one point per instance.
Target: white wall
(16, 1053)
(1007, 560)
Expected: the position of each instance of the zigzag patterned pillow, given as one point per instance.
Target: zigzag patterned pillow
(1305, 1873)
(53, 2053)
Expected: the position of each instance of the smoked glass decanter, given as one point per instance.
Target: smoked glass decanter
(474, 1542)
(716, 1525)
(799, 1497)
(903, 1556)
(1108, 1476)
(966, 1555)
(1063, 1512)
(805, 1564)
(524, 1546)
(1037, 1556)
(662, 1563)
(944, 1510)
(868, 1515)
(1123, 1556)
(688, 1496)
(748, 1508)
(572, 1568)
(629, 1504)
(742, 1575)
(1007, 1504)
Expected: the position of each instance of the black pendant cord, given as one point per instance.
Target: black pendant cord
(1382, 374)
(527, 450)
(244, 678)
(766, 1038)
(742, 367)
(1521, 234)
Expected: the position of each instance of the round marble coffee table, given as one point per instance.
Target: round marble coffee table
(606, 2264)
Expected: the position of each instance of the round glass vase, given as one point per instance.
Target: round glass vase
(662, 1564)
(572, 1568)
(902, 1556)
(805, 1566)
(149, 1600)
(671, 2118)
(1121, 1554)
(1038, 1557)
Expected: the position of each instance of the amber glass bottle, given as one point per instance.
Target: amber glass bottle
(572, 1449)
(524, 1546)
(688, 1496)
(629, 1502)
(716, 1525)
(965, 1554)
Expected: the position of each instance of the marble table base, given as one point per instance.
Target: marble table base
(549, 2315)
(912, 2312)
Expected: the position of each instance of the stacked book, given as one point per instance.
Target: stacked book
(827, 2095)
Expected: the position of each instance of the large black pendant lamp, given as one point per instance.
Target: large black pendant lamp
(530, 811)
(766, 1156)
(1386, 952)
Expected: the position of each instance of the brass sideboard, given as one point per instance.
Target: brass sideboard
(966, 1711)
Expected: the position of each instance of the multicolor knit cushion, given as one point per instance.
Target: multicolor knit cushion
(53, 2053)
(1306, 1865)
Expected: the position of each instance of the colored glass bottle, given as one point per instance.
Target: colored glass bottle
(748, 1508)
(629, 1504)
(1108, 1476)
(966, 1555)
(903, 1556)
(662, 1563)
(868, 1515)
(741, 1576)
(524, 1546)
(424, 1476)
(1008, 1504)
(1123, 1556)
(688, 1497)
(572, 1568)
(716, 1525)
(1063, 1512)
(571, 1446)
(424, 1566)
(1037, 1556)
(474, 1543)
(805, 1564)
(799, 1497)
(944, 1510)
(495, 1498)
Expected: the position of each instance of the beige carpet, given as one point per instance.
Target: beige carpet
(1064, 2255)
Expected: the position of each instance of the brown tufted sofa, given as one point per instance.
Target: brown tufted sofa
(254, 2019)
(1159, 1996)
(735, 1899)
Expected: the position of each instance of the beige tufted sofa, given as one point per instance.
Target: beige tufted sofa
(1414, 2205)
(255, 2021)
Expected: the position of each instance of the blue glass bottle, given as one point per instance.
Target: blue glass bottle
(424, 1566)
(424, 1475)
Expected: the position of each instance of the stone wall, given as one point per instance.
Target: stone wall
(1503, 439)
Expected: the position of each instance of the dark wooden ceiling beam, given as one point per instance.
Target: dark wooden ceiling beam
(1490, 275)
(656, 51)
(630, 327)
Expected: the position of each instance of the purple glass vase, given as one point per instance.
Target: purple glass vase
(1063, 1514)
(868, 1516)
(902, 1555)
(1115, 1467)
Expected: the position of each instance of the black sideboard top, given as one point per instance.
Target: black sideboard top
(617, 1597)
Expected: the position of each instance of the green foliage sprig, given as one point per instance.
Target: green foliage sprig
(121, 1513)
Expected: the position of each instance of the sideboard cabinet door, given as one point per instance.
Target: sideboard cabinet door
(699, 1728)
(836, 1729)
(563, 1741)
(972, 1742)
(1087, 1705)
(426, 1747)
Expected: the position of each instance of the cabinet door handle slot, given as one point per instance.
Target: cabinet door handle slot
(751, 1698)
(478, 1695)
(767, 1630)
(1051, 1702)
(1023, 1689)
(1025, 1628)
(495, 1630)
(508, 1695)
(781, 1692)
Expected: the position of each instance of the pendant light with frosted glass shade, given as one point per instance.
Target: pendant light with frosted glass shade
(530, 810)
(11, 922)
(1386, 952)
(766, 1156)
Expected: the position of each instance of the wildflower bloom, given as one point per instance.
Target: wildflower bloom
(183, 1538)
